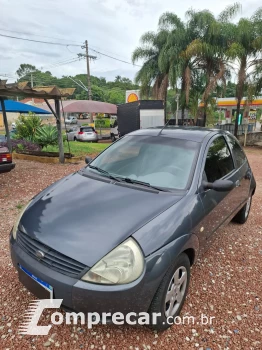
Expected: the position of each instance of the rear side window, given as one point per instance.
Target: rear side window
(219, 161)
(237, 151)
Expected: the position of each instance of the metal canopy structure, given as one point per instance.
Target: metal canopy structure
(45, 92)
(89, 106)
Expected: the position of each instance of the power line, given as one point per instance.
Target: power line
(38, 41)
(114, 58)
(41, 36)
(50, 37)
(65, 45)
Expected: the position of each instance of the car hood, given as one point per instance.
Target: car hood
(85, 218)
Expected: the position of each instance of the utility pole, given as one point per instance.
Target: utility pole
(88, 72)
(32, 85)
(88, 57)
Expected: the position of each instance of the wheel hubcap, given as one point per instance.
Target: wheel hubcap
(248, 207)
(176, 291)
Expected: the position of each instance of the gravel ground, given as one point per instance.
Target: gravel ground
(226, 283)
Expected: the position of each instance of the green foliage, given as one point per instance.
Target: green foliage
(26, 126)
(25, 69)
(102, 90)
(20, 147)
(102, 123)
(116, 96)
(46, 135)
(81, 148)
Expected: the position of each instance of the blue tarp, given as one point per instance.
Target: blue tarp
(14, 106)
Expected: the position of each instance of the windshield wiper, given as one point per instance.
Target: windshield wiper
(142, 183)
(102, 171)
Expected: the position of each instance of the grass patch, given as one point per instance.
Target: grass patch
(19, 206)
(80, 148)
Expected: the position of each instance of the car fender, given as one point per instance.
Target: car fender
(167, 255)
(160, 261)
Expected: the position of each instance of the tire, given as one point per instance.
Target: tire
(167, 308)
(242, 216)
(75, 139)
(113, 138)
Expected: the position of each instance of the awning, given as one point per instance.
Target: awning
(14, 106)
(88, 106)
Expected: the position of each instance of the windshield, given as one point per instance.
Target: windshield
(159, 161)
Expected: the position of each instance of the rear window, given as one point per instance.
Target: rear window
(87, 129)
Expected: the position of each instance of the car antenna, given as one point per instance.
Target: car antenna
(167, 123)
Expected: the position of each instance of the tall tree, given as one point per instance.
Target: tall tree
(25, 70)
(150, 73)
(209, 49)
(246, 52)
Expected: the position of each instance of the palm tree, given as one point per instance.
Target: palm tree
(208, 50)
(246, 52)
(150, 73)
(172, 55)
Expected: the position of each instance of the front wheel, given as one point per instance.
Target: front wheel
(243, 213)
(171, 294)
(113, 138)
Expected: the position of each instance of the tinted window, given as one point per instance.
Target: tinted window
(86, 129)
(219, 161)
(237, 151)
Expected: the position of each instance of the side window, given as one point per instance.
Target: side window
(237, 151)
(219, 161)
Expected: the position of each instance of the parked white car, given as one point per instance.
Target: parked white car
(71, 133)
(71, 120)
(87, 133)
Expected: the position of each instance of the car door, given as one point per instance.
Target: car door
(244, 171)
(218, 206)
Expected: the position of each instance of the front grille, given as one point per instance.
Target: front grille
(52, 259)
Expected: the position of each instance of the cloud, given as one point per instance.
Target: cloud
(110, 26)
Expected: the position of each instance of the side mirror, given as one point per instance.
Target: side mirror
(88, 160)
(219, 185)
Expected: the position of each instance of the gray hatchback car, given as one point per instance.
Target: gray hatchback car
(121, 234)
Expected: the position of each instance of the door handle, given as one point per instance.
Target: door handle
(237, 183)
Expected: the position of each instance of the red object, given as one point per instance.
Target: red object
(227, 114)
(80, 133)
(5, 158)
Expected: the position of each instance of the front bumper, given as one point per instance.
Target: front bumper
(5, 168)
(86, 297)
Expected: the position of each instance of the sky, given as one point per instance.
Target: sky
(112, 27)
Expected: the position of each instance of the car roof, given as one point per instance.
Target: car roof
(190, 133)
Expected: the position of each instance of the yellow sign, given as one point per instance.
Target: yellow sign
(132, 97)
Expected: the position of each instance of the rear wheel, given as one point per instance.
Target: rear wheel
(243, 213)
(75, 139)
(171, 294)
(113, 138)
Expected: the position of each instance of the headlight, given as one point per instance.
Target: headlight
(122, 265)
(15, 228)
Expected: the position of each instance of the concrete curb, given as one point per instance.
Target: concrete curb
(43, 159)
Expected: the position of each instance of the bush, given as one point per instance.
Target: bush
(22, 145)
(46, 135)
(26, 127)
